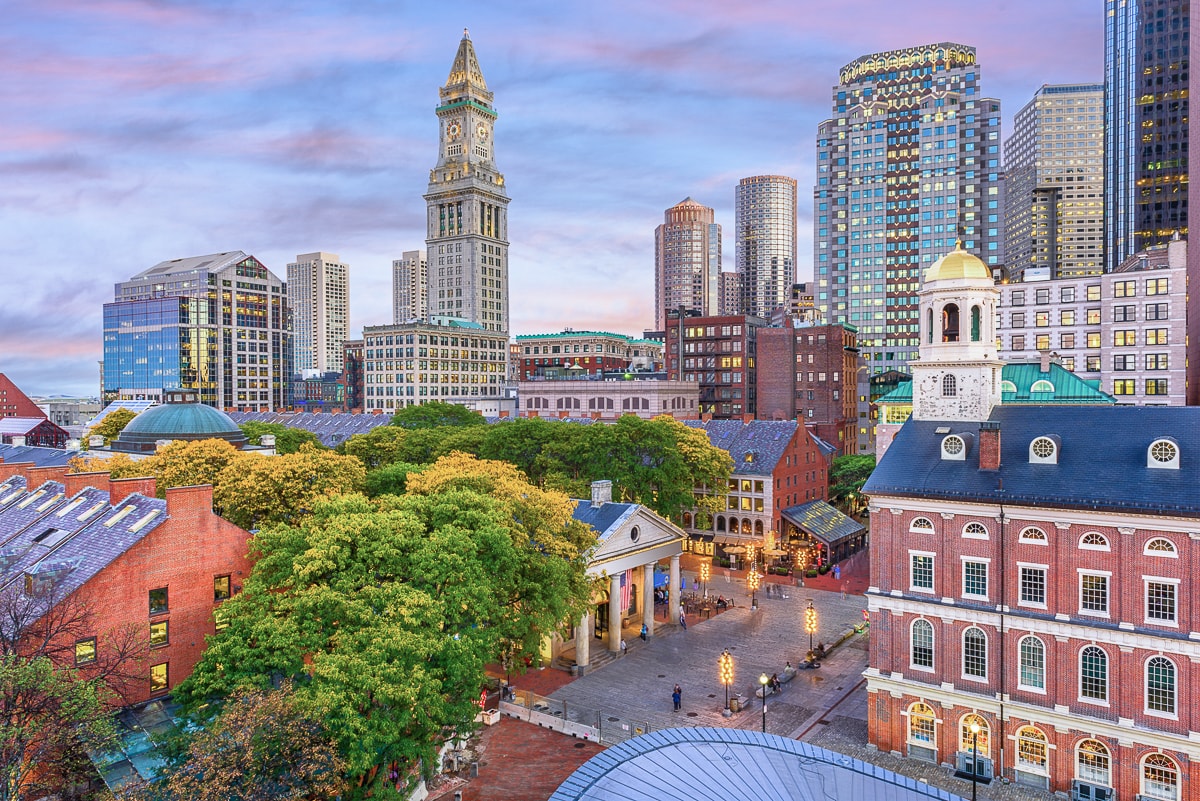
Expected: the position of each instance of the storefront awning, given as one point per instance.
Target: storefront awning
(823, 522)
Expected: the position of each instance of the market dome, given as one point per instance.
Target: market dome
(180, 417)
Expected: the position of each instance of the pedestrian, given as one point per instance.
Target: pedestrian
(677, 697)
(624, 648)
(837, 572)
(683, 620)
(645, 631)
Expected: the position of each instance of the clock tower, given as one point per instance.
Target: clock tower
(467, 205)
(957, 374)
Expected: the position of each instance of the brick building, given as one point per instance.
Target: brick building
(132, 559)
(718, 353)
(819, 388)
(571, 354)
(607, 399)
(1031, 597)
(352, 374)
(14, 402)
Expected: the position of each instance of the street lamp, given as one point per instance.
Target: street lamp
(725, 673)
(810, 626)
(762, 679)
(751, 556)
(705, 574)
(974, 758)
(752, 581)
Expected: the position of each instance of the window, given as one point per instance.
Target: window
(159, 678)
(922, 572)
(1008, 386)
(1123, 386)
(1041, 385)
(1018, 297)
(1092, 763)
(85, 651)
(221, 588)
(922, 644)
(968, 741)
(1124, 362)
(1157, 361)
(1066, 340)
(1124, 314)
(1124, 289)
(1093, 674)
(158, 634)
(1042, 297)
(949, 386)
(1157, 311)
(1041, 319)
(1160, 601)
(1093, 541)
(1160, 685)
(1163, 453)
(1093, 317)
(921, 525)
(158, 601)
(1018, 343)
(1122, 339)
(1093, 292)
(1156, 286)
(975, 531)
(1157, 336)
(1042, 342)
(953, 447)
(922, 725)
(1156, 386)
(1032, 657)
(1093, 341)
(1033, 534)
(974, 653)
(975, 579)
(1033, 585)
(1160, 546)
(1018, 320)
(1032, 749)
(1067, 294)
(1093, 594)
(1160, 778)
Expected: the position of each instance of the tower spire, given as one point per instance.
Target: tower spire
(465, 74)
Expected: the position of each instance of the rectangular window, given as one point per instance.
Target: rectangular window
(159, 678)
(158, 634)
(1041, 319)
(1093, 594)
(1156, 336)
(158, 601)
(1093, 317)
(1160, 602)
(85, 651)
(1042, 342)
(1124, 339)
(1033, 586)
(1093, 339)
(1124, 362)
(1043, 296)
(1066, 340)
(1124, 314)
(221, 588)
(1018, 297)
(1123, 386)
(1156, 386)
(1018, 343)
(1068, 294)
(1124, 289)
(1093, 292)
(1093, 364)
(922, 572)
(1157, 311)
(1156, 361)
(1156, 286)
(975, 579)
(1018, 320)
(1066, 317)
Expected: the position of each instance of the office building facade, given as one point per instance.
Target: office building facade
(1054, 185)
(765, 244)
(687, 261)
(718, 353)
(318, 287)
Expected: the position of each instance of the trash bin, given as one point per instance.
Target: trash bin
(734, 706)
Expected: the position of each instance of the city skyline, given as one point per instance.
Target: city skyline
(142, 132)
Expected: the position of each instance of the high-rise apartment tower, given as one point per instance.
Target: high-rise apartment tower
(318, 287)
(765, 219)
(687, 261)
(410, 287)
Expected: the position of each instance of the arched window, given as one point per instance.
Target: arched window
(976, 323)
(1160, 685)
(1163, 453)
(953, 447)
(1032, 657)
(922, 725)
(975, 531)
(950, 323)
(747, 526)
(1043, 450)
(929, 328)
(1093, 673)
(1160, 777)
(1160, 546)
(1033, 535)
(922, 525)
(966, 739)
(687, 519)
(922, 643)
(1092, 763)
(974, 653)
(1032, 749)
(720, 523)
(758, 529)
(949, 386)
(1093, 541)
(1042, 385)
(1007, 386)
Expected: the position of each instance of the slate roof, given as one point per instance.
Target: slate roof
(763, 440)
(40, 457)
(823, 521)
(1101, 465)
(331, 429)
(19, 426)
(604, 519)
(1068, 387)
(709, 762)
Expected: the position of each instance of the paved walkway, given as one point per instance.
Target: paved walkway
(521, 762)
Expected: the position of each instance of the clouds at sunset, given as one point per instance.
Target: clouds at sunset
(143, 130)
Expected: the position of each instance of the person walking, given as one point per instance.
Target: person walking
(837, 572)
(645, 631)
(677, 697)
(683, 620)
(624, 648)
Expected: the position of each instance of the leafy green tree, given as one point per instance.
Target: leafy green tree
(389, 611)
(287, 440)
(380, 446)
(258, 491)
(390, 479)
(846, 480)
(436, 414)
(112, 425)
(178, 464)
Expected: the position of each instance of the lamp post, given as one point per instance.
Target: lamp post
(810, 625)
(725, 673)
(751, 556)
(762, 679)
(752, 581)
(974, 759)
(705, 575)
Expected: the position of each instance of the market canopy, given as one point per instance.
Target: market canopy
(823, 522)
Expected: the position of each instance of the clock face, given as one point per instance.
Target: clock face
(482, 132)
(453, 129)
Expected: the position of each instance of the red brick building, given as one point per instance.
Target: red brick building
(162, 566)
(718, 353)
(14, 402)
(819, 387)
(571, 354)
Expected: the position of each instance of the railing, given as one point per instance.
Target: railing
(582, 722)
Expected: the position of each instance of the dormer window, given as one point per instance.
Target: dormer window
(1163, 454)
(1042, 385)
(1007, 386)
(954, 448)
(1044, 450)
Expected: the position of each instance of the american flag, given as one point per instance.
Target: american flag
(625, 585)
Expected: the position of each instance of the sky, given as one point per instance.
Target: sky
(138, 131)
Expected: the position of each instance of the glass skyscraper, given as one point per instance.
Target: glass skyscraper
(765, 244)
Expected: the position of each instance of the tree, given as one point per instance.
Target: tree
(287, 440)
(389, 610)
(178, 464)
(389, 480)
(52, 709)
(436, 414)
(846, 480)
(113, 424)
(257, 491)
(261, 747)
(380, 446)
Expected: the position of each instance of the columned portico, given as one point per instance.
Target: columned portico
(648, 598)
(614, 613)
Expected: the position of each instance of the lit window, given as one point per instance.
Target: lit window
(221, 588)
(85, 651)
(922, 725)
(158, 634)
(1160, 778)
(921, 524)
(1032, 749)
(159, 678)
(1092, 763)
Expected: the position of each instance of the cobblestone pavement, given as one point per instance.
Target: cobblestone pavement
(637, 687)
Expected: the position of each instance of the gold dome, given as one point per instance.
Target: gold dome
(958, 263)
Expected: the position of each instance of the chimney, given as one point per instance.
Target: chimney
(601, 493)
(193, 502)
(1045, 356)
(989, 445)
(121, 488)
(37, 476)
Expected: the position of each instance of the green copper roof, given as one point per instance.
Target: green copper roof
(569, 334)
(172, 421)
(1064, 388)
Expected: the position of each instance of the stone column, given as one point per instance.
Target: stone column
(648, 598)
(583, 643)
(614, 613)
(675, 598)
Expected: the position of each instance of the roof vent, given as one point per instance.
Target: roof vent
(1163, 454)
(1044, 449)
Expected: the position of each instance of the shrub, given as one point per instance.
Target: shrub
(811, 573)
(824, 569)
